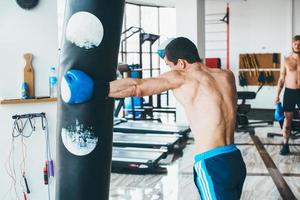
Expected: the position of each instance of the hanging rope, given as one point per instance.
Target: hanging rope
(23, 127)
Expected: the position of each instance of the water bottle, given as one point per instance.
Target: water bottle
(24, 91)
(53, 83)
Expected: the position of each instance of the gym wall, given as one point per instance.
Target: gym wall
(22, 31)
(193, 12)
(260, 26)
(296, 17)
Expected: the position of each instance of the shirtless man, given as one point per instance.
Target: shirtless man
(290, 78)
(209, 100)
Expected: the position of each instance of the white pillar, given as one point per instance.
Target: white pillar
(190, 23)
(296, 17)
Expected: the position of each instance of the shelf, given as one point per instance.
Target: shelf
(18, 101)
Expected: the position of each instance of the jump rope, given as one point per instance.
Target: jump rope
(22, 122)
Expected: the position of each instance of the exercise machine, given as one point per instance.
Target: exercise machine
(151, 127)
(154, 141)
(137, 160)
(242, 121)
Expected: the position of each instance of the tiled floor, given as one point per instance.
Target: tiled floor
(178, 183)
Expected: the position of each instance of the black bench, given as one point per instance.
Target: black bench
(242, 120)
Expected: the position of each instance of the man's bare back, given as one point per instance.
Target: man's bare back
(209, 99)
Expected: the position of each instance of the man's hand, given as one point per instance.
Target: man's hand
(277, 99)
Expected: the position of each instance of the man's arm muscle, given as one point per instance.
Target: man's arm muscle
(145, 87)
(281, 79)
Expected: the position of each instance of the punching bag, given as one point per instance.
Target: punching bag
(88, 61)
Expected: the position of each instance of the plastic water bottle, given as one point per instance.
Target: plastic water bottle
(53, 83)
(24, 91)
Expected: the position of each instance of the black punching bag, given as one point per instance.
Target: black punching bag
(88, 61)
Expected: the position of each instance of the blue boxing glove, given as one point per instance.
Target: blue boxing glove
(162, 46)
(278, 114)
(76, 87)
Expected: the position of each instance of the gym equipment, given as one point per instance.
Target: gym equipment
(255, 63)
(242, 121)
(145, 110)
(295, 127)
(27, 4)
(227, 21)
(275, 58)
(136, 70)
(213, 62)
(154, 141)
(242, 79)
(151, 38)
(24, 127)
(29, 74)
(162, 46)
(132, 31)
(269, 77)
(261, 78)
(76, 87)
(151, 127)
(137, 160)
(84, 131)
(278, 113)
(119, 120)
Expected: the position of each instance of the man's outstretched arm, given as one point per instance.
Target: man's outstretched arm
(145, 87)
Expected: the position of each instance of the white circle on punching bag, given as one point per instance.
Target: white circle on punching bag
(65, 91)
(78, 139)
(84, 30)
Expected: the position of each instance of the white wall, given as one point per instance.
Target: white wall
(252, 29)
(190, 23)
(22, 31)
(296, 17)
(260, 26)
(255, 30)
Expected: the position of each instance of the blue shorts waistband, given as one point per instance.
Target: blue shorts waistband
(216, 151)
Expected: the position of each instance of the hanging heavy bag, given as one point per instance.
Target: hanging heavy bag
(88, 62)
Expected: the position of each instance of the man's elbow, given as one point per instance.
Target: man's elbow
(281, 82)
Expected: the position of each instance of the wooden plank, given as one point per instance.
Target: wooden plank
(20, 101)
(282, 186)
(267, 174)
(253, 63)
(264, 60)
(29, 74)
(268, 144)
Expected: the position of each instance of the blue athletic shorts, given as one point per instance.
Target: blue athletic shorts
(220, 173)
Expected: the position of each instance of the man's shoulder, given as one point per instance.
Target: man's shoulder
(290, 61)
(287, 57)
(225, 72)
(174, 76)
(172, 73)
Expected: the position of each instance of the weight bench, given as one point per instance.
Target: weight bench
(138, 160)
(143, 127)
(242, 121)
(154, 141)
